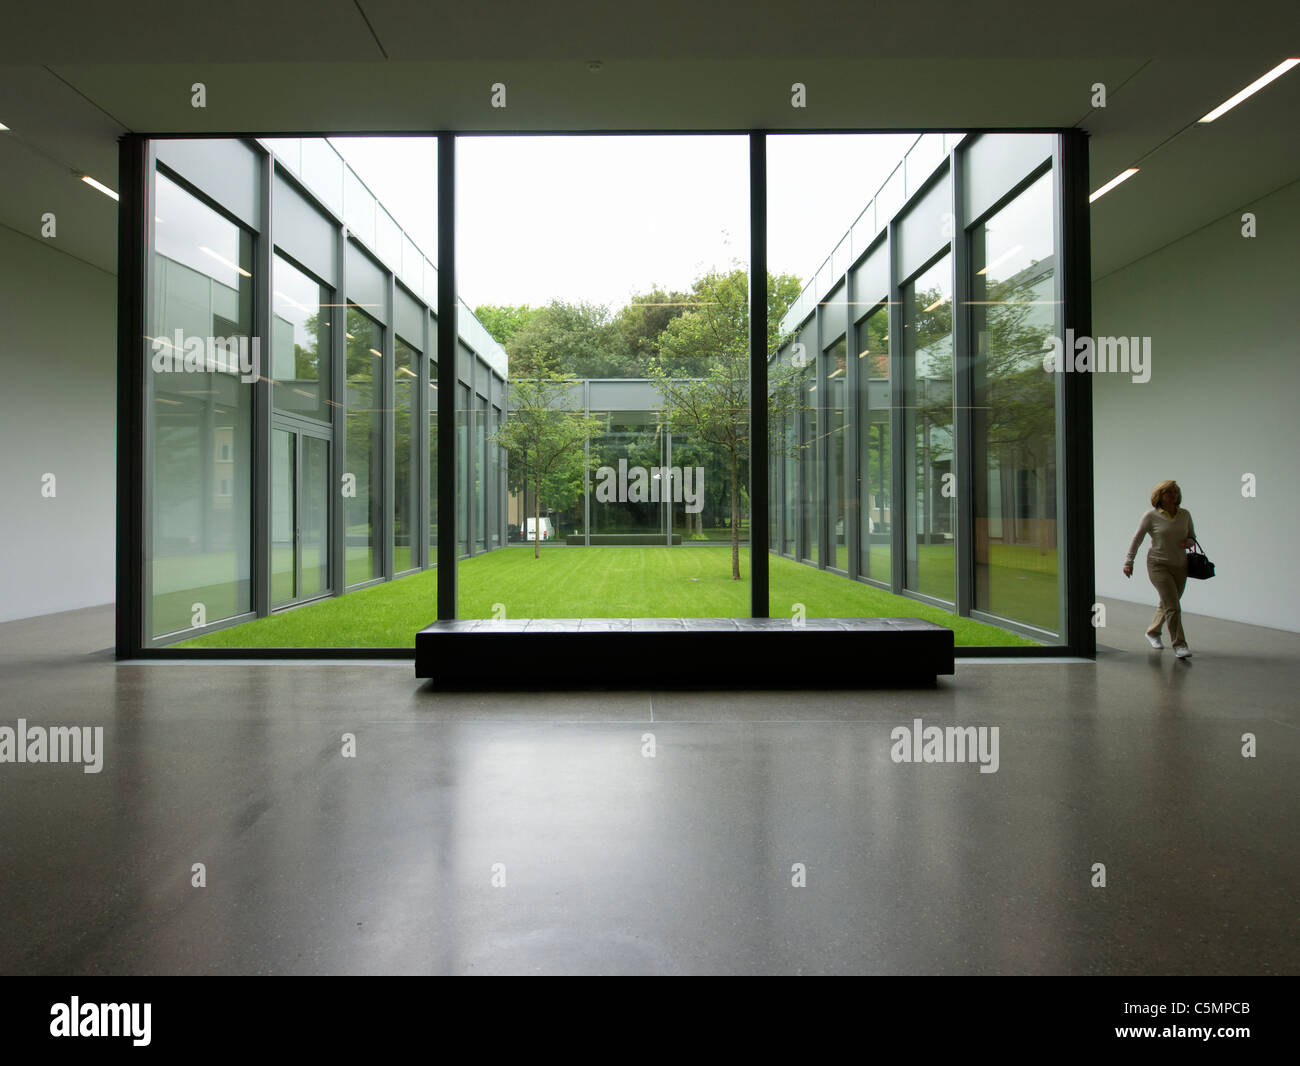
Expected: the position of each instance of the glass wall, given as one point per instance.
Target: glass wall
(836, 366)
(363, 464)
(406, 457)
(300, 342)
(626, 417)
(930, 476)
(874, 471)
(480, 474)
(865, 344)
(200, 414)
(433, 462)
(1013, 312)
(917, 370)
(464, 457)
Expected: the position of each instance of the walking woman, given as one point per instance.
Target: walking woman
(1172, 532)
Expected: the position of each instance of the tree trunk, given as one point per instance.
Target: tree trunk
(537, 520)
(735, 518)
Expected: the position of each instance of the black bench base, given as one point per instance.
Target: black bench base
(682, 653)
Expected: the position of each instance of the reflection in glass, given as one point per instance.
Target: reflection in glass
(836, 370)
(874, 471)
(1014, 420)
(300, 346)
(283, 517)
(433, 462)
(313, 516)
(930, 477)
(200, 414)
(363, 465)
(406, 460)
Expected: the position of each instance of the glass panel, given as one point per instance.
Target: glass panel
(288, 150)
(322, 170)
(388, 240)
(300, 344)
(890, 198)
(363, 463)
(406, 458)
(313, 516)
(492, 493)
(283, 519)
(931, 477)
(480, 474)
(463, 458)
(1014, 418)
(433, 463)
(626, 430)
(922, 160)
(811, 461)
(359, 209)
(836, 370)
(200, 414)
(874, 470)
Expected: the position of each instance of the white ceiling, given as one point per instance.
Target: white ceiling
(75, 76)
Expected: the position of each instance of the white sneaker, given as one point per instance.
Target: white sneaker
(1154, 642)
(1183, 651)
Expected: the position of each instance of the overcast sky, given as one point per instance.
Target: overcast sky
(601, 218)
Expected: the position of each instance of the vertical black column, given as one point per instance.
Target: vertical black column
(263, 398)
(133, 209)
(758, 451)
(1075, 517)
(963, 393)
(448, 376)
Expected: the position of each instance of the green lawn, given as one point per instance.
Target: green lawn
(606, 582)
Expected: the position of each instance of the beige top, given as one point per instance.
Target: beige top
(1167, 534)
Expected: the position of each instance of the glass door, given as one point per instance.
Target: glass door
(299, 516)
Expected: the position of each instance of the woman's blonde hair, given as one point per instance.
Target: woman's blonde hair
(1162, 488)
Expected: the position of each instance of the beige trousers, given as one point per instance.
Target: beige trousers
(1169, 581)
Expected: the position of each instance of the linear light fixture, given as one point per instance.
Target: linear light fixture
(3, 127)
(377, 355)
(100, 186)
(1112, 183)
(1250, 90)
(1002, 258)
(223, 260)
(927, 310)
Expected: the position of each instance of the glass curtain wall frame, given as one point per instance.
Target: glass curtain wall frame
(1070, 172)
(937, 523)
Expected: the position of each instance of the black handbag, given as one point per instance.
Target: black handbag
(1198, 563)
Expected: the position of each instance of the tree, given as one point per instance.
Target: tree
(643, 320)
(580, 340)
(702, 373)
(546, 436)
(505, 320)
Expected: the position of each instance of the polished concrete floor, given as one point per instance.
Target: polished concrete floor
(614, 861)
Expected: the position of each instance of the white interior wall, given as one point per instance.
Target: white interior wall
(1223, 315)
(58, 403)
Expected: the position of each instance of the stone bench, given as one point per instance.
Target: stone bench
(649, 653)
